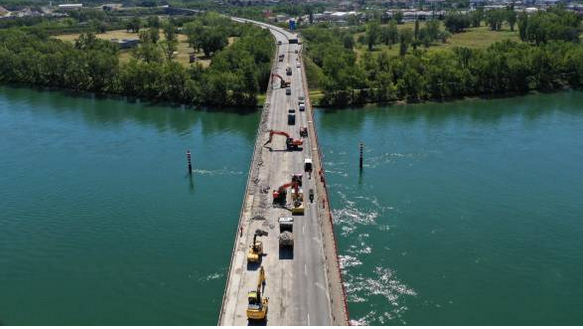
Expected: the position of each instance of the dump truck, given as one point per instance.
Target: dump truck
(286, 228)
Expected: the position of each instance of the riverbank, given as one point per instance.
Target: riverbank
(318, 95)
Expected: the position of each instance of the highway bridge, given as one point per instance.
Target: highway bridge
(304, 288)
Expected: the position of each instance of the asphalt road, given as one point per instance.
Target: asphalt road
(297, 286)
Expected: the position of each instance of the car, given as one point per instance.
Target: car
(296, 51)
(288, 91)
(298, 65)
(301, 99)
(279, 42)
(302, 107)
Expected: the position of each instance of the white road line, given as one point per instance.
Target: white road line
(308, 319)
(306, 269)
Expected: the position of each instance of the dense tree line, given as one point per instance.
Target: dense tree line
(504, 67)
(234, 78)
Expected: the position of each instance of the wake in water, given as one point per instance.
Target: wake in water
(381, 290)
(216, 172)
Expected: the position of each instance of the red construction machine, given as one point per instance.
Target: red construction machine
(283, 82)
(290, 143)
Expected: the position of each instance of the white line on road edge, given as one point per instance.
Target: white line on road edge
(308, 319)
(306, 269)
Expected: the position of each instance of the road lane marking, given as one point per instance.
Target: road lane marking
(306, 269)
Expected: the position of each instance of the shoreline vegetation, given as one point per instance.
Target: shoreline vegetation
(237, 74)
(480, 54)
(411, 65)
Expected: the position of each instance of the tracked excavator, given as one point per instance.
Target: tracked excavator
(257, 307)
(283, 82)
(255, 251)
(290, 143)
(280, 195)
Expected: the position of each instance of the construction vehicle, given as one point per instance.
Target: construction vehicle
(255, 251)
(291, 119)
(257, 307)
(304, 132)
(308, 166)
(290, 143)
(288, 71)
(297, 201)
(283, 83)
(280, 195)
(286, 228)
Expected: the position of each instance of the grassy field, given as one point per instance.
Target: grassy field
(478, 38)
(182, 51)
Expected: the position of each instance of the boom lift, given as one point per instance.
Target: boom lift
(255, 251)
(290, 143)
(257, 307)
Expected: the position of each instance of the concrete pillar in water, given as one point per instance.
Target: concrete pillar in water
(189, 159)
(361, 155)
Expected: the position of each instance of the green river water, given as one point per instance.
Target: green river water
(465, 213)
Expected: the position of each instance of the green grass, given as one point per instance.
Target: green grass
(476, 38)
(182, 52)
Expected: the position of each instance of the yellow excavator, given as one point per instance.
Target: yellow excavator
(255, 251)
(257, 308)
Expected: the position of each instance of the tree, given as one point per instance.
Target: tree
(511, 17)
(153, 22)
(169, 31)
(522, 25)
(456, 22)
(148, 52)
(348, 41)
(416, 29)
(432, 29)
(406, 39)
(213, 41)
(372, 34)
(398, 16)
(154, 34)
(134, 25)
(169, 47)
(194, 33)
(476, 17)
(495, 18)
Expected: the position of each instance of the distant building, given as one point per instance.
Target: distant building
(70, 6)
(126, 43)
(111, 6)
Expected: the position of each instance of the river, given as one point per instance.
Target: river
(465, 213)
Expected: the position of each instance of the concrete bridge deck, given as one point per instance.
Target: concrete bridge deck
(307, 288)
